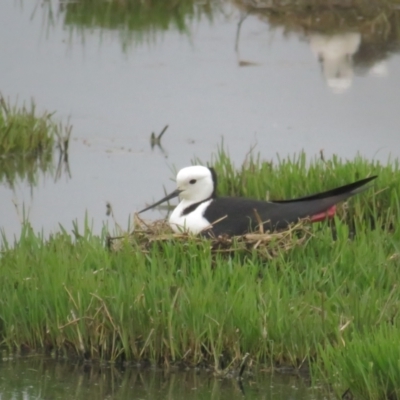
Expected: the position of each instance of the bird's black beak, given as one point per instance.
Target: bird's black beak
(175, 193)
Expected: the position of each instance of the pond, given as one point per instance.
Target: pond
(39, 378)
(215, 72)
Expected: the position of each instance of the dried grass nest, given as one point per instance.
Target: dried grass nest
(146, 234)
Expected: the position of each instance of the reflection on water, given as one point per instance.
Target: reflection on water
(335, 53)
(340, 35)
(347, 37)
(38, 378)
(136, 21)
(17, 169)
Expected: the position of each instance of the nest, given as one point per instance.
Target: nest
(145, 235)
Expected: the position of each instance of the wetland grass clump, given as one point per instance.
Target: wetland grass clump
(23, 131)
(27, 141)
(330, 302)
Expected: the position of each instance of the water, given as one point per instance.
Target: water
(38, 378)
(277, 88)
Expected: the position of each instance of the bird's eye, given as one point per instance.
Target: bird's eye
(192, 181)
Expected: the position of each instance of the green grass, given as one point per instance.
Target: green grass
(23, 131)
(330, 302)
(27, 141)
(369, 363)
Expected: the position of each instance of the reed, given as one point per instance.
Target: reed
(330, 301)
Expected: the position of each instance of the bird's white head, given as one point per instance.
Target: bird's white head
(195, 184)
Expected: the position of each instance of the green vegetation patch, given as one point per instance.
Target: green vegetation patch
(330, 302)
(23, 131)
(27, 141)
(369, 362)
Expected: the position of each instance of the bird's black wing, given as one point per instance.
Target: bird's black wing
(236, 215)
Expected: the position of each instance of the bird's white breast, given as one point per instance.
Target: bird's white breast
(194, 222)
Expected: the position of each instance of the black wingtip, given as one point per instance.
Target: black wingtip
(360, 185)
(366, 180)
(349, 190)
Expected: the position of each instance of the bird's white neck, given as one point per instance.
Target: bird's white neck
(193, 222)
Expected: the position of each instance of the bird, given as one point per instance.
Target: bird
(201, 211)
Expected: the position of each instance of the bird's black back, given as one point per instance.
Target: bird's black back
(236, 215)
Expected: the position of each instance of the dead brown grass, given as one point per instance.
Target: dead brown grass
(146, 234)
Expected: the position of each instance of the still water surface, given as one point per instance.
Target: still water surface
(120, 74)
(34, 379)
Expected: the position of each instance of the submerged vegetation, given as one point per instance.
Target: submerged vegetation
(330, 302)
(27, 142)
